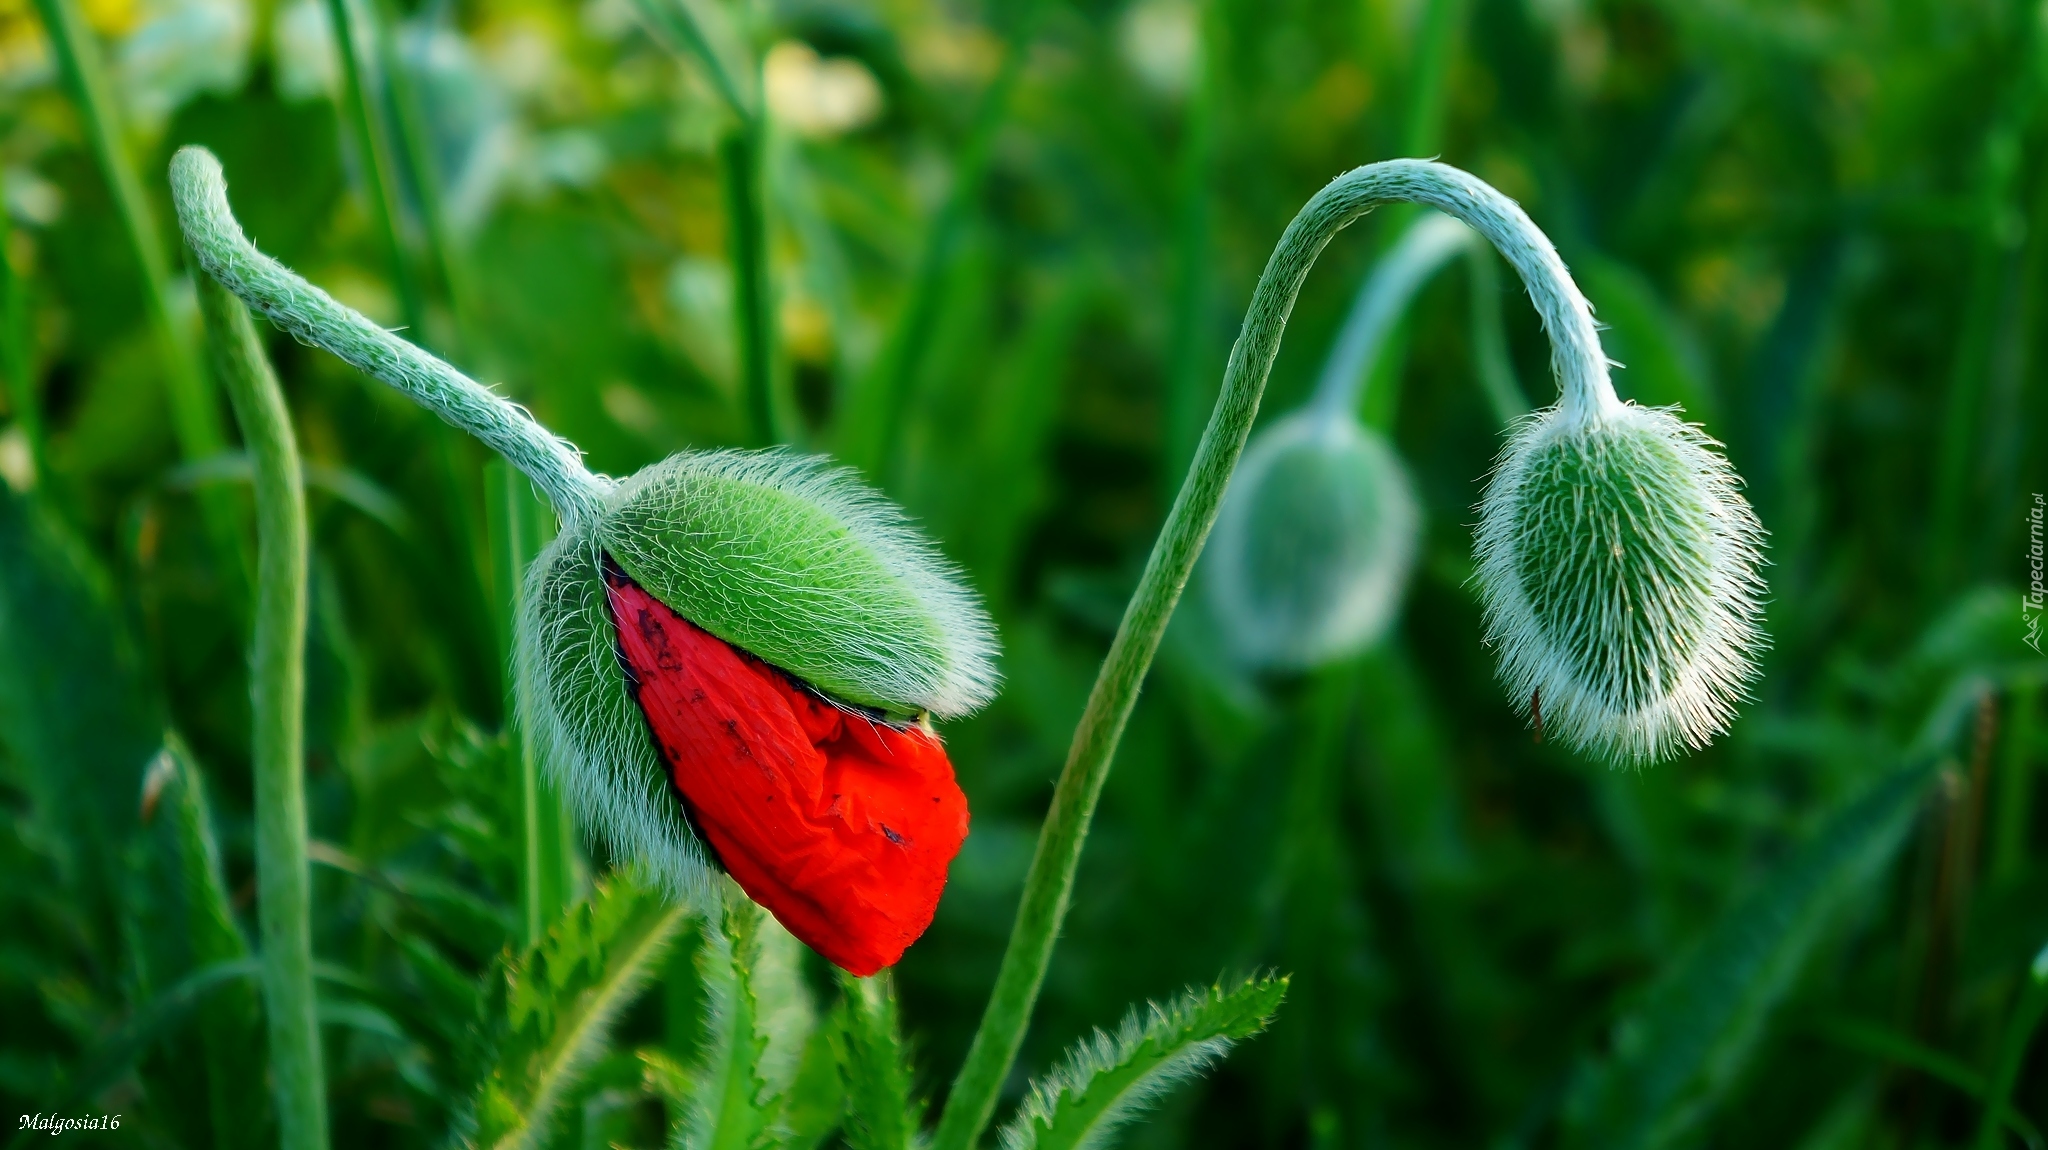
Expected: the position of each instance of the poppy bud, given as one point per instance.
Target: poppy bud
(1617, 566)
(1314, 542)
(751, 642)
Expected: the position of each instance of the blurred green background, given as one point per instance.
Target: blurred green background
(1821, 226)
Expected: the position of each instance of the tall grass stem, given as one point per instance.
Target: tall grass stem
(519, 528)
(1190, 395)
(373, 151)
(1049, 883)
(873, 424)
(740, 156)
(194, 417)
(277, 676)
(2012, 1052)
(742, 159)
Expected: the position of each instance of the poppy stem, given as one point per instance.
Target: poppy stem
(277, 677)
(199, 190)
(1582, 372)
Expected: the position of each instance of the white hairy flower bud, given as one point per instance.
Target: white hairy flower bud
(1618, 570)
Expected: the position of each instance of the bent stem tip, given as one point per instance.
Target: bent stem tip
(199, 190)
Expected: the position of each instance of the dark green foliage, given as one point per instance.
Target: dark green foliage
(1677, 1053)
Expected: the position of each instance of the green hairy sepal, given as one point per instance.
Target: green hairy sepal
(773, 552)
(1618, 573)
(1314, 542)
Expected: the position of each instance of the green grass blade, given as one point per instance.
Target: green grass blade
(869, 432)
(2012, 1054)
(77, 712)
(881, 1113)
(230, 1020)
(1681, 1049)
(1892, 1047)
(195, 415)
(553, 1008)
(373, 150)
(1107, 1079)
(158, 1018)
(520, 524)
(1191, 374)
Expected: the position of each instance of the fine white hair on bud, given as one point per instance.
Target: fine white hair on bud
(779, 555)
(1313, 545)
(1618, 572)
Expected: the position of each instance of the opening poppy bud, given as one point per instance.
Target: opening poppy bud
(1314, 542)
(1617, 566)
(752, 641)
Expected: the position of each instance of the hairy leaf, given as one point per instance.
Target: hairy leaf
(550, 1010)
(867, 1039)
(757, 1018)
(1107, 1079)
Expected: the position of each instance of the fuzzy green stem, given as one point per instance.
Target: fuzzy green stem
(1050, 881)
(753, 306)
(875, 415)
(373, 149)
(193, 416)
(277, 689)
(311, 315)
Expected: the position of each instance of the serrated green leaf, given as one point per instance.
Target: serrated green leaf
(1692, 1034)
(549, 1011)
(1107, 1079)
(867, 1043)
(816, 1100)
(757, 1017)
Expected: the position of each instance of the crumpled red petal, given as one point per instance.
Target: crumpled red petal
(840, 825)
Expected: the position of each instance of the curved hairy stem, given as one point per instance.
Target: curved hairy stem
(311, 315)
(1582, 369)
(277, 688)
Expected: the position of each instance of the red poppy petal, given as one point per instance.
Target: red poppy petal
(840, 825)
